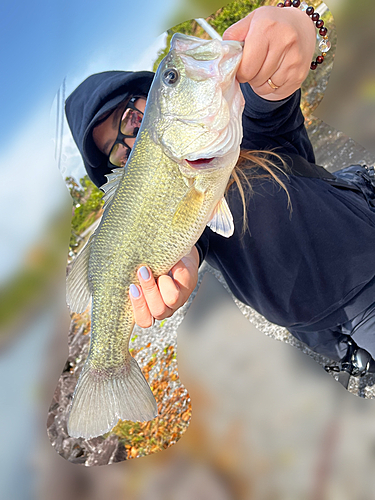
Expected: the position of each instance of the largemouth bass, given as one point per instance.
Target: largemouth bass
(155, 210)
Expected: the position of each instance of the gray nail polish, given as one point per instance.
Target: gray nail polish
(134, 291)
(144, 273)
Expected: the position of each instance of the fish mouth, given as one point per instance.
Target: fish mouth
(200, 163)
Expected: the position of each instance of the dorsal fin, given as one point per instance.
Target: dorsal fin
(77, 283)
(111, 186)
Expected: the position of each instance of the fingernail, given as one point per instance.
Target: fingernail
(134, 291)
(144, 273)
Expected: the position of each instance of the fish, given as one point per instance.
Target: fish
(156, 208)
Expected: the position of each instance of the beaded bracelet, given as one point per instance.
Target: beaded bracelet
(324, 44)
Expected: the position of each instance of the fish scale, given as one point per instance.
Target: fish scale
(157, 208)
(148, 249)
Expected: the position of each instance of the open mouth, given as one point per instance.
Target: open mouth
(200, 163)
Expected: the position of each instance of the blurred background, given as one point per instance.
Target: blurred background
(267, 422)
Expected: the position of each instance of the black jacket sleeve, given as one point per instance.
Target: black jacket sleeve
(276, 125)
(269, 125)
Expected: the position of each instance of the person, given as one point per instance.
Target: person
(308, 267)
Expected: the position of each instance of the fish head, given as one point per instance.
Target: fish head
(195, 103)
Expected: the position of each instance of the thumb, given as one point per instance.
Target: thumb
(239, 30)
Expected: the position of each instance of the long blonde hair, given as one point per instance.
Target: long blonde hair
(242, 175)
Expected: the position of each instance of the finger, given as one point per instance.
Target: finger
(278, 76)
(254, 51)
(185, 274)
(155, 303)
(177, 287)
(170, 292)
(288, 77)
(191, 260)
(271, 65)
(142, 315)
(238, 30)
(270, 94)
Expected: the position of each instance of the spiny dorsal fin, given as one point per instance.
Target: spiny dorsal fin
(111, 186)
(77, 283)
(222, 220)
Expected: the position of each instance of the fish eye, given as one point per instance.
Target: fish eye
(170, 76)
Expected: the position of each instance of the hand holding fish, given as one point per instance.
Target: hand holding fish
(279, 45)
(160, 299)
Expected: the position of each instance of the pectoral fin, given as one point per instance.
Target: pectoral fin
(189, 207)
(222, 220)
(77, 283)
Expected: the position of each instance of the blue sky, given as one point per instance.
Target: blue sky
(41, 43)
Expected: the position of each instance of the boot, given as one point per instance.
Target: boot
(356, 363)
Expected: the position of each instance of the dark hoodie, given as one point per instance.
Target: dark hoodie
(97, 95)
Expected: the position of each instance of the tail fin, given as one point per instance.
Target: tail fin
(103, 397)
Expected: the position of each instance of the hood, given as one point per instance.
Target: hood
(96, 95)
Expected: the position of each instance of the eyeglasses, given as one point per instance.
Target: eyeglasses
(128, 128)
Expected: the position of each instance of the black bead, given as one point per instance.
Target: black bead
(313, 65)
(310, 11)
(315, 16)
(320, 23)
(296, 3)
(323, 31)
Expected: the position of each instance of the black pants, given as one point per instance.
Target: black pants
(332, 343)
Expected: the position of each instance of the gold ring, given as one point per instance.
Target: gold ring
(271, 84)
